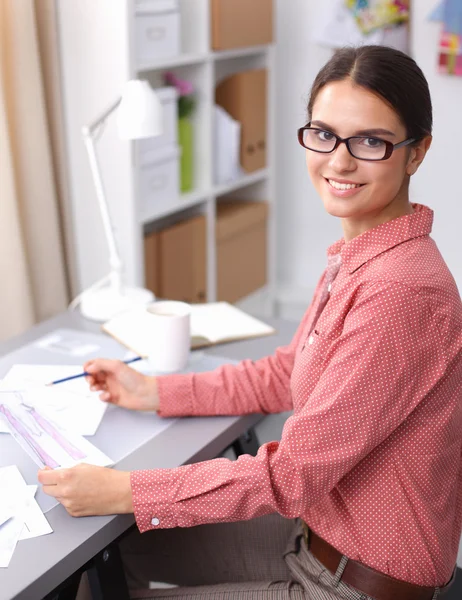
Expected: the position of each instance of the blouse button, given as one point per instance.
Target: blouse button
(155, 521)
(329, 287)
(310, 339)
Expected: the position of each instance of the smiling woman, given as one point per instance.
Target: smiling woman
(370, 463)
(366, 136)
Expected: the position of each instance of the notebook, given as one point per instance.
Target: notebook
(212, 323)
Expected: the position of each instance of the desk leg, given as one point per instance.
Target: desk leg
(247, 443)
(106, 575)
(67, 590)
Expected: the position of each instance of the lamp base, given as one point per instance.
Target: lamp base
(103, 304)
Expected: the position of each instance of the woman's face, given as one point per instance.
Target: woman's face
(381, 188)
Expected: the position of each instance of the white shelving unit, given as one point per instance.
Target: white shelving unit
(97, 58)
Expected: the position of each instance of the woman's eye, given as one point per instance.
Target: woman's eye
(373, 142)
(325, 136)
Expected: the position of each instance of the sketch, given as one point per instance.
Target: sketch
(46, 442)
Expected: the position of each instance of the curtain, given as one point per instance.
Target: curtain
(33, 278)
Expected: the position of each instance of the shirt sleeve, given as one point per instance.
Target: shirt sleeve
(386, 360)
(261, 386)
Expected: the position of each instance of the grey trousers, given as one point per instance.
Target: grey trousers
(263, 558)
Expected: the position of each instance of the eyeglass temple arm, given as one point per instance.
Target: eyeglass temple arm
(404, 143)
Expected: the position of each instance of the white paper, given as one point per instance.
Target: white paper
(26, 520)
(4, 515)
(221, 321)
(70, 403)
(35, 522)
(13, 499)
(44, 440)
(227, 130)
(338, 28)
(66, 344)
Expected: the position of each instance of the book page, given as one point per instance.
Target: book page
(220, 321)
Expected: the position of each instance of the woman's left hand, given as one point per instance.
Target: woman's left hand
(88, 490)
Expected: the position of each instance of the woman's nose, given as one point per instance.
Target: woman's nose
(341, 160)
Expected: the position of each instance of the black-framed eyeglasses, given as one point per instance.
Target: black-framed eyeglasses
(361, 147)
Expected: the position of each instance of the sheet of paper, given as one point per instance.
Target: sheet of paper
(65, 343)
(46, 442)
(338, 28)
(70, 403)
(221, 321)
(35, 522)
(13, 499)
(5, 513)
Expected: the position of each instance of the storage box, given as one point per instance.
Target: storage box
(244, 96)
(159, 184)
(241, 236)
(157, 30)
(237, 23)
(147, 147)
(151, 263)
(182, 261)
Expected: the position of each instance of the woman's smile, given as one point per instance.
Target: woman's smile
(342, 188)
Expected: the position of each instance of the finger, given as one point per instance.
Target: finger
(107, 397)
(52, 490)
(99, 365)
(99, 387)
(48, 476)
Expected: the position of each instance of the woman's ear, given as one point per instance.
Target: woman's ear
(417, 154)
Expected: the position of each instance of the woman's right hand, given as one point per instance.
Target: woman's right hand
(122, 385)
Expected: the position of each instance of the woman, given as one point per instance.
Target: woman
(370, 463)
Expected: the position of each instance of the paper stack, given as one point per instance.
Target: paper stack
(20, 515)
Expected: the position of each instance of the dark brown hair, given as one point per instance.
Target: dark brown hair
(391, 74)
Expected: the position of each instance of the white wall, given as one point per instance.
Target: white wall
(304, 229)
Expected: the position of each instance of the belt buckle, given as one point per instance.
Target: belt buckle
(306, 534)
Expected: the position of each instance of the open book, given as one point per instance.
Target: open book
(211, 323)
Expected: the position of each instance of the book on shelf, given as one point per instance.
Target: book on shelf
(211, 324)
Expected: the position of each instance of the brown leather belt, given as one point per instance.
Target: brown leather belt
(367, 580)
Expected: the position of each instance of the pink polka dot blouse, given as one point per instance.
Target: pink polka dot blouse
(372, 457)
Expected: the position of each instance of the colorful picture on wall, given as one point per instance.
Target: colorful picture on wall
(377, 14)
(449, 12)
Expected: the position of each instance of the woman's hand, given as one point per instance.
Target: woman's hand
(87, 490)
(122, 385)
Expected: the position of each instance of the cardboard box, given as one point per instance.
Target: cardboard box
(182, 272)
(244, 96)
(238, 23)
(241, 235)
(151, 258)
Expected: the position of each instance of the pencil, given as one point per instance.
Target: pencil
(84, 374)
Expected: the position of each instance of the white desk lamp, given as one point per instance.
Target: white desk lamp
(139, 115)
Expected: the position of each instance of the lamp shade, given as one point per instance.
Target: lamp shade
(139, 114)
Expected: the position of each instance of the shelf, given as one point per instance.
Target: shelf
(195, 198)
(194, 59)
(239, 52)
(175, 61)
(185, 201)
(244, 181)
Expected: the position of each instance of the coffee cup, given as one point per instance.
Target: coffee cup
(170, 336)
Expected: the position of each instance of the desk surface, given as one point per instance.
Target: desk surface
(39, 565)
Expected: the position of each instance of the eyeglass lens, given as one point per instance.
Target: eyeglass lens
(368, 148)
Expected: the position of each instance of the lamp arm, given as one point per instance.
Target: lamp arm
(115, 262)
(92, 127)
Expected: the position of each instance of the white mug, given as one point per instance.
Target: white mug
(170, 336)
